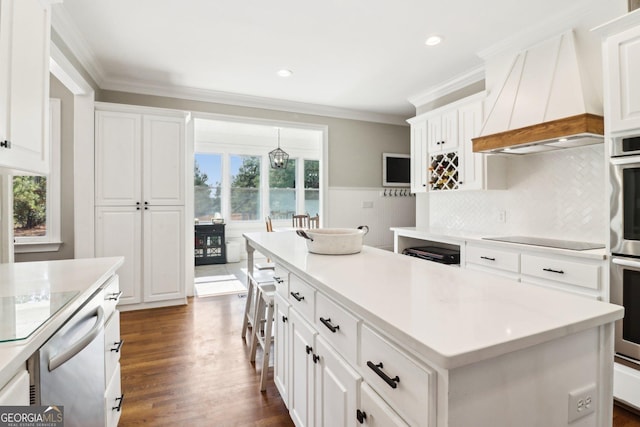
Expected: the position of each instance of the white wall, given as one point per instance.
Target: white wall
(558, 194)
(352, 207)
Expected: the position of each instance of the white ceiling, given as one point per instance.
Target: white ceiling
(362, 56)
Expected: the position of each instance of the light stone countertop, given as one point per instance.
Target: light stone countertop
(449, 316)
(86, 276)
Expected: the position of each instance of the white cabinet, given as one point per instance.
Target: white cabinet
(488, 258)
(336, 388)
(442, 156)
(374, 412)
(113, 397)
(281, 348)
(578, 277)
(621, 68)
(16, 391)
(25, 28)
(442, 131)
(301, 368)
(139, 198)
(151, 239)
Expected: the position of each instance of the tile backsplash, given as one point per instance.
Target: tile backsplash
(558, 194)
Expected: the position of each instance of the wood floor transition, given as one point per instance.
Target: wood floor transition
(187, 365)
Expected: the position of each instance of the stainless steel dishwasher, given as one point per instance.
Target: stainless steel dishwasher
(68, 370)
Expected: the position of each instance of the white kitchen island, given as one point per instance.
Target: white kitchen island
(424, 344)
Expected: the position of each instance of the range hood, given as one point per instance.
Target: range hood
(544, 103)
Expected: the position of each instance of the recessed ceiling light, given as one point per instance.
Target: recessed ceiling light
(433, 40)
(285, 73)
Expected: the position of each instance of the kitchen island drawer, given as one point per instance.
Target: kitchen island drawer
(112, 344)
(302, 297)
(338, 327)
(586, 275)
(112, 295)
(407, 386)
(281, 280)
(494, 258)
(113, 400)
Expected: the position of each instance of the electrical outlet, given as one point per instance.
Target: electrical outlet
(582, 402)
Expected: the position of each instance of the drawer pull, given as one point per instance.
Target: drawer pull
(378, 370)
(119, 400)
(327, 323)
(551, 270)
(316, 358)
(118, 346)
(361, 416)
(278, 279)
(309, 349)
(114, 296)
(284, 319)
(487, 258)
(297, 296)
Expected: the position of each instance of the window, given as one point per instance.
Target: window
(282, 191)
(36, 199)
(245, 188)
(207, 185)
(312, 187)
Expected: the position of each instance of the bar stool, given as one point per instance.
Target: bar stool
(253, 280)
(261, 333)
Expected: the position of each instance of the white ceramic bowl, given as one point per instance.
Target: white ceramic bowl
(334, 241)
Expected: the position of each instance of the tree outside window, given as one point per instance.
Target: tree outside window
(29, 206)
(282, 191)
(312, 186)
(207, 189)
(245, 188)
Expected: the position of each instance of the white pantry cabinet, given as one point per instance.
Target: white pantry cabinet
(419, 156)
(140, 190)
(25, 32)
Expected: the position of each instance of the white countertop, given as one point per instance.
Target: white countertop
(460, 237)
(85, 276)
(451, 316)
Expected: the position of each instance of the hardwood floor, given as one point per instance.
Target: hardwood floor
(187, 365)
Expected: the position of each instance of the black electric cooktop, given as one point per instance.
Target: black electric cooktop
(550, 243)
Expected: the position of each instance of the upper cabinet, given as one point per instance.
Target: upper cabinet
(25, 30)
(442, 156)
(621, 55)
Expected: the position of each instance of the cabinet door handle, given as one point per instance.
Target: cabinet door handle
(551, 270)
(361, 416)
(115, 296)
(284, 319)
(309, 349)
(487, 258)
(118, 345)
(278, 279)
(119, 400)
(392, 382)
(327, 323)
(316, 358)
(297, 296)
(5, 144)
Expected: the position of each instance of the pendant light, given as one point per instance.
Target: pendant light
(278, 157)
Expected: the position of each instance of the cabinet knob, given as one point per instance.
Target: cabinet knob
(284, 318)
(5, 144)
(361, 416)
(316, 358)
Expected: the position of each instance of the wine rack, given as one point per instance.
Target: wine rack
(443, 171)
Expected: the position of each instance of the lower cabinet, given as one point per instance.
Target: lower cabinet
(374, 412)
(322, 382)
(113, 397)
(16, 391)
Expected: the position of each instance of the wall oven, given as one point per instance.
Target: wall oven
(625, 244)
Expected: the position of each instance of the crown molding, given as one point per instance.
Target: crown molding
(456, 83)
(250, 101)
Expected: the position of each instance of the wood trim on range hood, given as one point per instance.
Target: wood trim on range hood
(549, 132)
